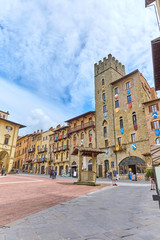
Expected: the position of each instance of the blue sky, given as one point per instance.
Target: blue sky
(48, 49)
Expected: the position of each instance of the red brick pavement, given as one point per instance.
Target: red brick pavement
(21, 196)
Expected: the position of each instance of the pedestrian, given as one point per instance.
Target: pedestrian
(55, 173)
(2, 170)
(152, 182)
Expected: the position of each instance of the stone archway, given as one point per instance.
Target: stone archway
(4, 160)
(137, 165)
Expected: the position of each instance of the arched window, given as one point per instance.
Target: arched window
(121, 122)
(90, 133)
(104, 123)
(90, 145)
(105, 131)
(82, 135)
(157, 140)
(104, 96)
(134, 118)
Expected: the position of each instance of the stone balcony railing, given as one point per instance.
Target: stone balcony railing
(82, 127)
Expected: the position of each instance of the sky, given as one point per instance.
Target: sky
(48, 49)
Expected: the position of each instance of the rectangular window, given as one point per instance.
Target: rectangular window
(133, 137)
(106, 143)
(102, 81)
(120, 141)
(156, 124)
(129, 99)
(104, 108)
(117, 104)
(154, 108)
(128, 85)
(56, 156)
(105, 132)
(6, 141)
(116, 90)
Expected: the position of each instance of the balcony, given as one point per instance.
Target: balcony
(42, 150)
(31, 150)
(82, 127)
(119, 148)
(60, 137)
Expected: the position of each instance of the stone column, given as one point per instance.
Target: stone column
(79, 166)
(94, 162)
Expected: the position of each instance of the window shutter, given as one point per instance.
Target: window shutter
(152, 125)
(150, 108)
(157, 106)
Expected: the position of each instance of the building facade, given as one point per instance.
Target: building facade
(8, 139)
(121, 127)
(81, 133)
(61, 150)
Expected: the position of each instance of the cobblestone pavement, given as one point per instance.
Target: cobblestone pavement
(122, 212)
(22, 195)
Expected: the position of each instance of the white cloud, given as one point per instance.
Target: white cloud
(49, 48)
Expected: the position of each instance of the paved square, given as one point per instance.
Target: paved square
(24, 195)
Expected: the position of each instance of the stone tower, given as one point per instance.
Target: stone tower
(106, 72)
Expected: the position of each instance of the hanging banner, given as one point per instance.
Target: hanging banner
(154, 114)
(117, 109)
(134, 146)
(122, 130)
(107, 150)
(128, 91)
(116, 96)
(105, 114)
(157, 132)
(130, 105)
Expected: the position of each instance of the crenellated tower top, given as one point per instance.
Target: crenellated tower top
(107, 63)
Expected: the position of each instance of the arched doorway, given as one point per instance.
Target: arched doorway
(4, 160)
(74, 169)
(90, 165)
(137, 165)
(66, 169)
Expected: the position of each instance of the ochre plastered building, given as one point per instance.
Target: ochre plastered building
(81, 133)
(61, 150)
(8, 139)
(121, 127)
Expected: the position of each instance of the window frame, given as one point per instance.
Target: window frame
(133, 137)
(117, 101)
(129, 99)
(128, 85)
(116, 90)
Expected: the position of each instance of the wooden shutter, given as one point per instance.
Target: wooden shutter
(152, 125)
(150, 108)
(157, 106)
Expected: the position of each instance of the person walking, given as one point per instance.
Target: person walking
(2, 170)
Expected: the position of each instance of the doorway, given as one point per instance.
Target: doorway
(133, 167)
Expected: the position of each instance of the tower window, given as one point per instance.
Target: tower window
(121, 122)
(116, 90)
(128, 85)
(104, 108)
(133, 137)
(104, 96)
(102, 81)
(117, 104)
(105, 131)
(129, 99)
(134, 118)
(120, 141)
